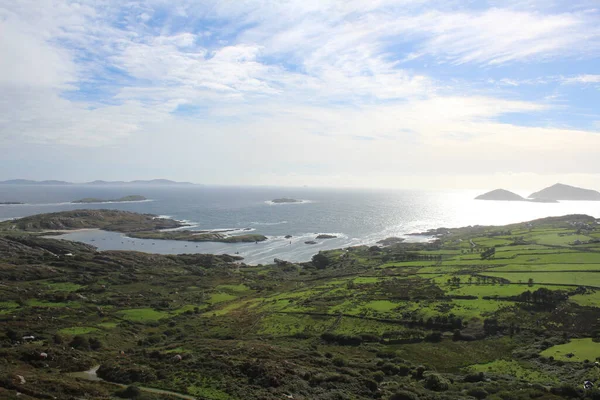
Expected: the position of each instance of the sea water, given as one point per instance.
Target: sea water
(354, 216)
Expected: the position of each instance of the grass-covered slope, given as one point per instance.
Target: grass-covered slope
(452, 319)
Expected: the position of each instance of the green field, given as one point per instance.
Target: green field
(576, 350)
(143, 314)
(366, 322)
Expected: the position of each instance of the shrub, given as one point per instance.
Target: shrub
(478, 393)
(434, 337)
(404, 395)
(339, 362)
(477, 377)
(371, 385)
(378, 376)
(418, 372)
(130, 392)
(95, 344)
(436, 382)
(80, 343)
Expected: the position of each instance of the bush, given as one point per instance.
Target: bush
(418, 372)
(371, 385)
(378, 376)
(478, 393)
(320, 261)
(95, 344)
(404, 395)
(339, 362)
(436, 382)
(80, 343)
(477, 377)
(130, 392)
(403, 370)
(434, 337)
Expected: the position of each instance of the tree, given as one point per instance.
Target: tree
(530, 282)
(320, 261)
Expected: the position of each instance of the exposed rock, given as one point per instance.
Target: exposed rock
(326, 236)
(310, 242)
(390, 241)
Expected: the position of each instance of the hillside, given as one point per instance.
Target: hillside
(500, 195)
(484, 312)
(560, 191)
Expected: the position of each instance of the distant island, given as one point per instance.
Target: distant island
(561, 191)
(506, 195)
(134, 197)
(500, 195)
(97, 182)
(285, 200)
(8, 203)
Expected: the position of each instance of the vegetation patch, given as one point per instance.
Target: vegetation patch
(143, 314)
(78, 330)
(576, 350)
(519, 370)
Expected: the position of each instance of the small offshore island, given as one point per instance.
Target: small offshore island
(10, 203)
(550, 194)
(482, 312)
(129, 198)
(505, 195)
(285, 200)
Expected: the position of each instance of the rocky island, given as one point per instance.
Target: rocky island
(500, 195)
(326, 236)
(10, 203)
(561, 191)
(86, 200)
(285, 200)
(505, 195)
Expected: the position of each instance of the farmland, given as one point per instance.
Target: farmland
(482, 312)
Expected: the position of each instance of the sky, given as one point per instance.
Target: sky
(353, 93)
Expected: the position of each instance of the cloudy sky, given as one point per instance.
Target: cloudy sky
(379, 93)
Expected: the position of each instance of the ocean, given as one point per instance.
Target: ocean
(354, 216)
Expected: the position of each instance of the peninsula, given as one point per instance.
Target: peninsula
(561, 191)
(86, 200)
(143, 226)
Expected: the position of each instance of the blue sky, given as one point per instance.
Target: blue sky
(386, 93)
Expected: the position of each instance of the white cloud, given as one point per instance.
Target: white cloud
(300, 83)
(588, 78)
(498, 36)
